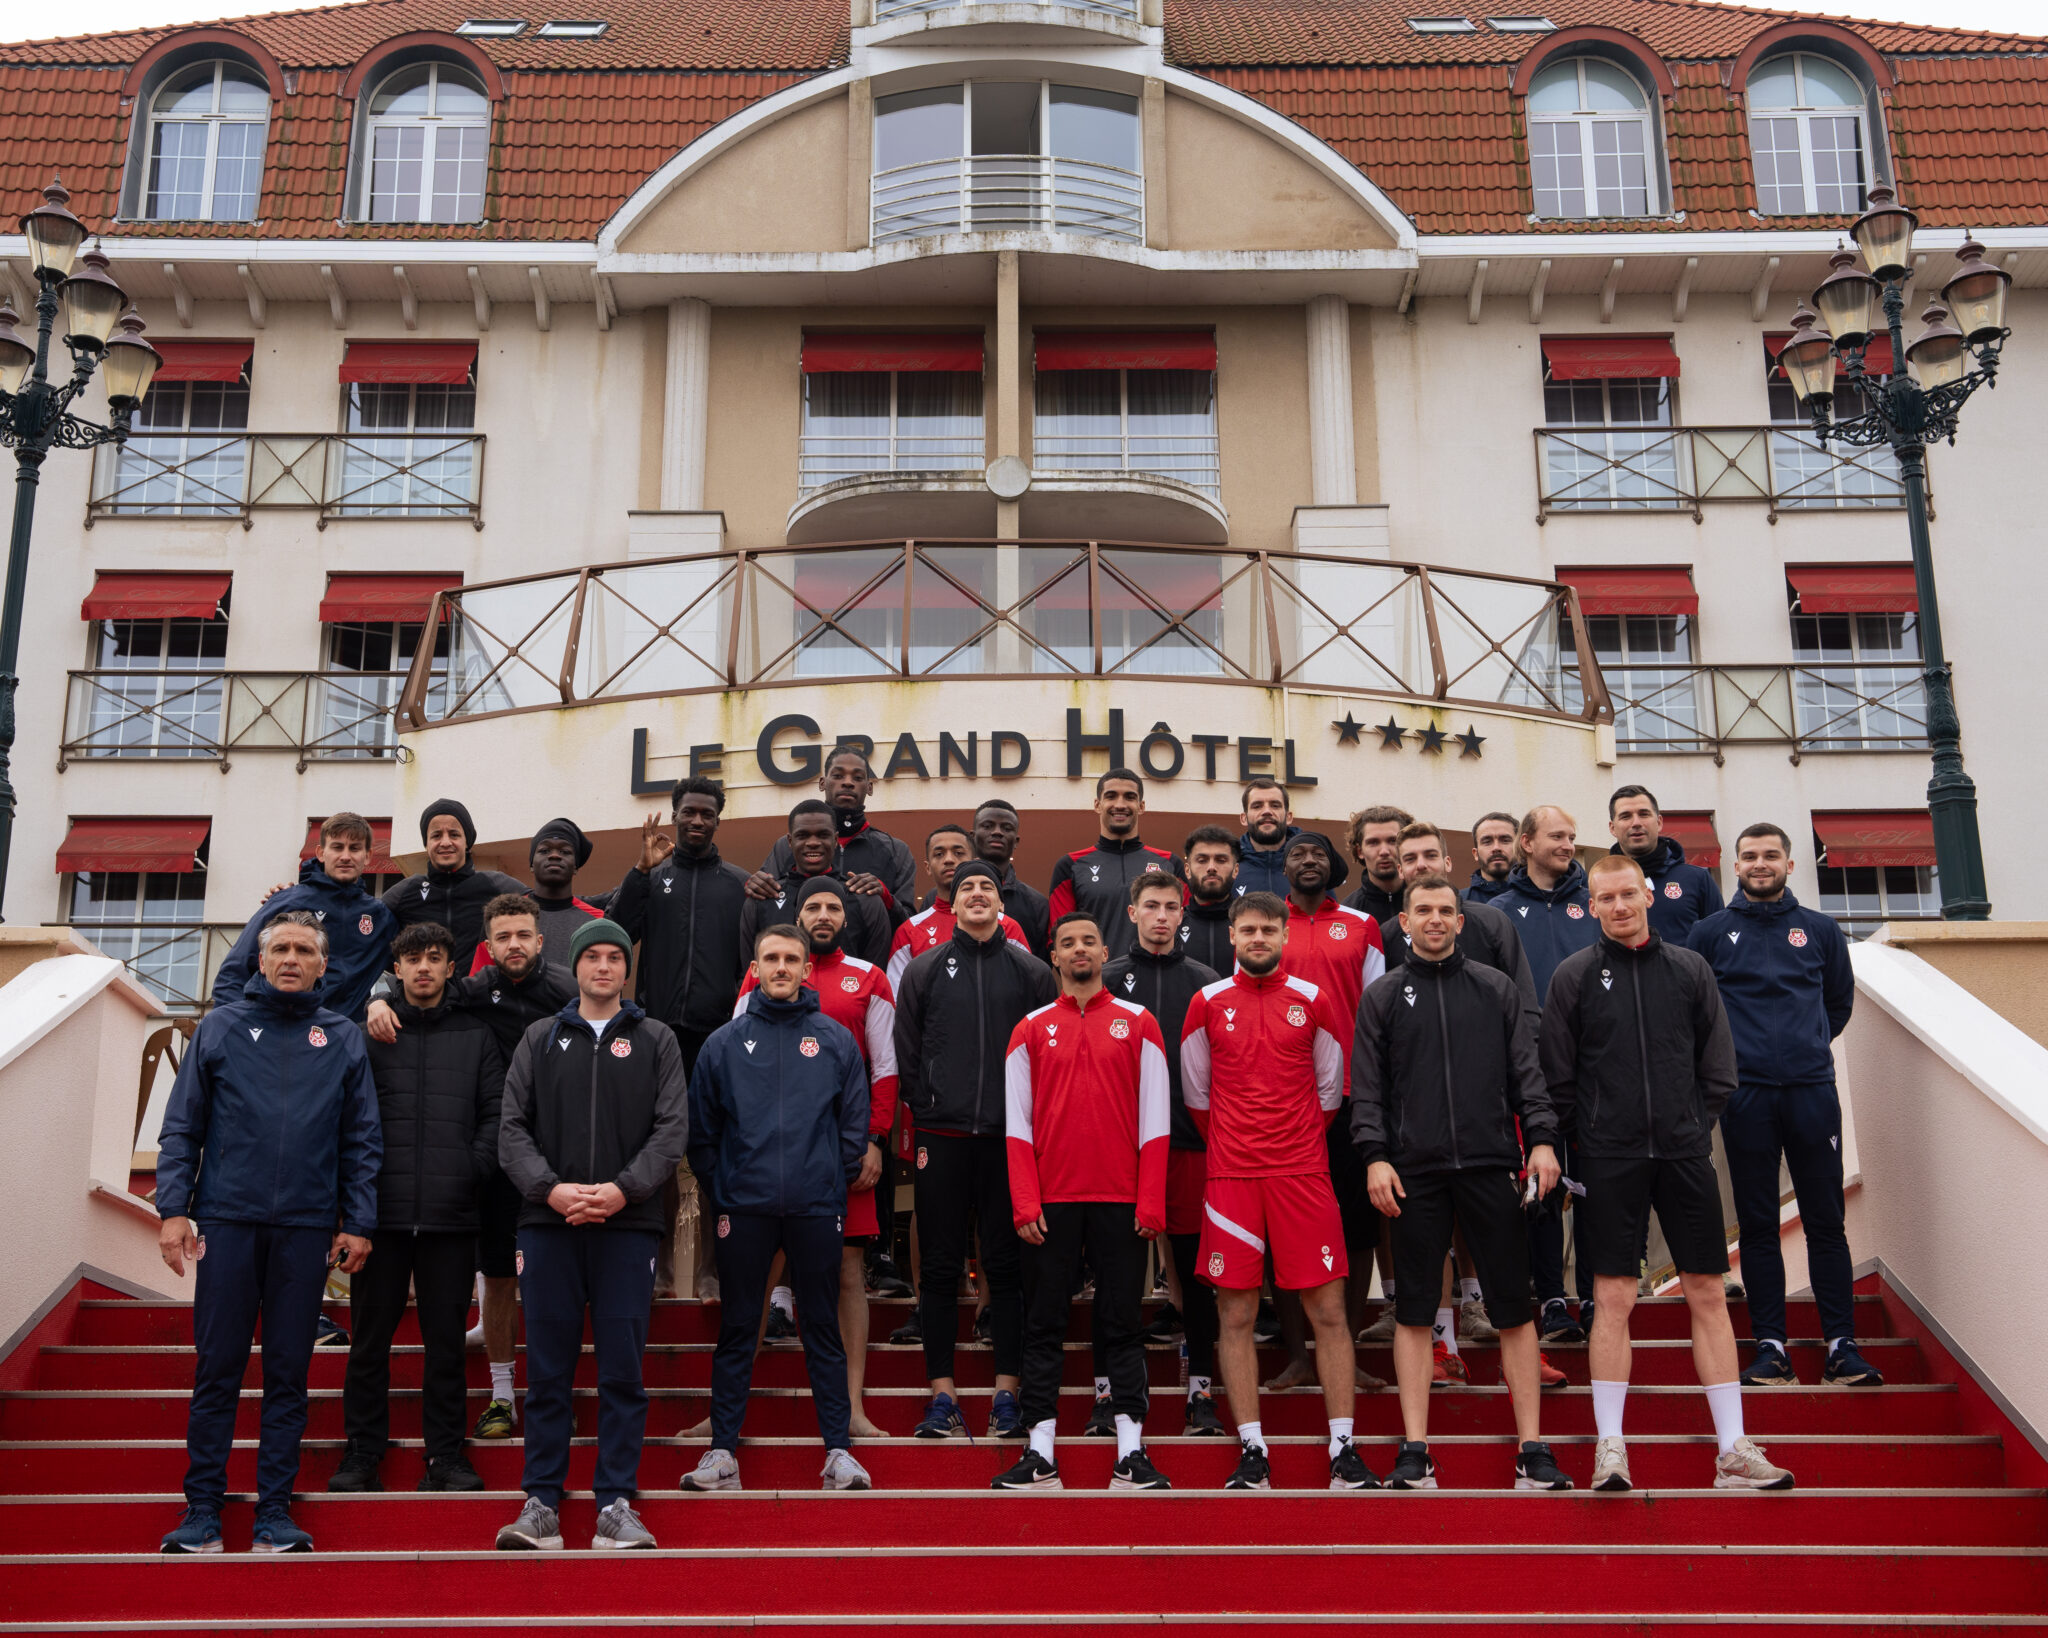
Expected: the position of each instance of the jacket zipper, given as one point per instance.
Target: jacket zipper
(419, 1136)
(689, 944)
(980, 1042)
(781, 1122)
(1635, 978)
(1443, 1020)
(596, 1042)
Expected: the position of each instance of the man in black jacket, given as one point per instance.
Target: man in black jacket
(996, 834)
(1640, 1063)
(1442, 1067)
(1098, 879)
(438, 1089)
(1211, 855)
(1374, 836)
(452, 892)
(815, 850)
(596, 1116)
(1161, 977)
(954, 1014)
(875, 864)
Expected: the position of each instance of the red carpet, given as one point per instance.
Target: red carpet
(1918, 1508)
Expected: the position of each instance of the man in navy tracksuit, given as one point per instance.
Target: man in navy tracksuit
(1786, 982)
(596, 1117)
(1269, 828)
(359, 927)
(266, 1177)
(779, 1126)
(1681, 894)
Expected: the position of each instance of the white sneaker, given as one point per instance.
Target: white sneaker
(717, 1470)
(1747, 1468)
(474, 1336)
(1380, 1333)
(1610, 1466)
(1473, 1325)
(842, 1472)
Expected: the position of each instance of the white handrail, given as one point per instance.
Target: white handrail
(986, 193)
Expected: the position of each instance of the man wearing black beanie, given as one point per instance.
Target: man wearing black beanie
(451, 891)
(559, 849)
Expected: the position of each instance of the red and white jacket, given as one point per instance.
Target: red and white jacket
(1088, 1108)
(855, 993)
(1338, 950)
(930, 928)
(1261, 1071)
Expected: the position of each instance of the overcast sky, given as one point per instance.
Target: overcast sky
(22, 20)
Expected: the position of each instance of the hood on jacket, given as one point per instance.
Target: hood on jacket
(1667, 853)
(763, 1005)
(260, 992)
(572, 1012)
(1571, 886)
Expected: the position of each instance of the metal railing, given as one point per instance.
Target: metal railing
(830, 457)
(1192, 460)
(1681, 469)
(1125, 9)
(175, 961)
(1830, 707)
(864, 610)
(334, 474)
(994, 193)
(321, 716)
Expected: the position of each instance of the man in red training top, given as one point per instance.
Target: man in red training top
(855, 993)
(945, 851)
(1262, 1072)
(1088, 1108)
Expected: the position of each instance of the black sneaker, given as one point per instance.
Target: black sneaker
(1101, 1420)
(328, 1334)
(1412, 1469)
(358, 1471)
(1537, 1469)
(1032, 1472)
(1266, 1328)
(1557, 1324)
(886, 1281)
(1349, 1472)
(1166, 1326)
(1203, 1422)
(1253, 1471)
(1136, 1472)
(910, 1332)
(1846, 1368)
(781, 1328)
(1770, 1369)
(985, 1326)
(450, 1473)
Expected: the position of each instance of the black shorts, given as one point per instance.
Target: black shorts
(1614, 1217)
(1347, 1180)
(1486, 1203)
(497, 1249)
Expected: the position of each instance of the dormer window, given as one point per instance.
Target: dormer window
(205, 145)
(1589, 141)
(1807, 134)
(424, 154)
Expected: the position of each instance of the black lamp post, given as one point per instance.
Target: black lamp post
(83, 308)
(1909, 411)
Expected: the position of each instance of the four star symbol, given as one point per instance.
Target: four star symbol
(1431, 739)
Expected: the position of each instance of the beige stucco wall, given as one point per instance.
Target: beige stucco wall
(782, 187)
(1231, 187)
(2004, 964)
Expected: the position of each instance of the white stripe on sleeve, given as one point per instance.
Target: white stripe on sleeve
(881, 1032)
(1329, 1060)
(1017, 1093)
(1155, 1095)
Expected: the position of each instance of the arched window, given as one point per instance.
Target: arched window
(205, 145)
(429, 135)
(1807, 131)
(1589, 141)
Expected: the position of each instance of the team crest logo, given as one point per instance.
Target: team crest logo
(1576, 912)
(366, 926)
(1329, 1262)
(923, 1157)
(1796, 938)
(1673, 891)
(1339, 930)
(622, 1049)
(1120, 1029)
(724, 1227)
(1297, 1016)
(808, 1046)
(1215, 1265)
(318, 1036)
(850, 985)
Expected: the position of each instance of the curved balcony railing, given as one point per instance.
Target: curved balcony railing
(1126, 10)
(878, 610)
(996, 193)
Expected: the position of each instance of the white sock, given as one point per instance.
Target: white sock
(1608, 1399)
(1724, 1399)
(1340, 1435)
(784, 1299)
(501, 1381)
(1836, 1344)
(1102, 1387)
(1447, 1329)
(1130, 1434)
(1387, 1289)
(1041, 1438)
(1468, 1290)
(1197, 1384)
(1249, 1433)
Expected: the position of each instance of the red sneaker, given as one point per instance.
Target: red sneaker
(1448, 1369)
(1551, 1376)
(1438, 1376)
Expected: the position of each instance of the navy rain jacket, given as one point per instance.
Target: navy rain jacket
(1681, 894)
(1553, 923)
(1259, 870)
(359, 928)
(1484, 889)
(1786, 983)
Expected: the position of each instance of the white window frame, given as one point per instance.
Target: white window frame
(1804, 114)
(432, 123)
(1203, 472)
(1584, 122)
(819, 464)
(1862, 923)
(213, 122)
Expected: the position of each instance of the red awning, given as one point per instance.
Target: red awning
(1125, 349)
(422, 363)
(1855, 588)
(1901, 837)
(380, 846)
(203, 360)
(847, 352)
(382, 597)
(1608, 358)
(154, 596)
(1877, 357)
(1695, 833)
(1633, 591)
(133, 844)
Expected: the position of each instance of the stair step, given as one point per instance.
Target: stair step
(1104, 1623)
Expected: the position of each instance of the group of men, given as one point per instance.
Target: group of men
(1204, 1047)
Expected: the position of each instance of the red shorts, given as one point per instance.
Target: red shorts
(1295, 1217)
(861, 1222)
(1187, 1172)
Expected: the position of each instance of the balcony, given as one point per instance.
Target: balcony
(1845, 707)
(1682, 469)
(1077, 21)
(333, 475)
(1009, 193)
(939, 609)
(170, 716)
(1122, 10)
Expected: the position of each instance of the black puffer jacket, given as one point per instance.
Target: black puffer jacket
(438, 1090)
(1637, 1051)
(511, 1006)
(1443, 1061)
(868, 923)
(1164, 986)
(954, 1014)
(455, 899)
(685, 913)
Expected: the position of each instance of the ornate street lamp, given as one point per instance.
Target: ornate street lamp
(1918, 401)
(82, 308)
